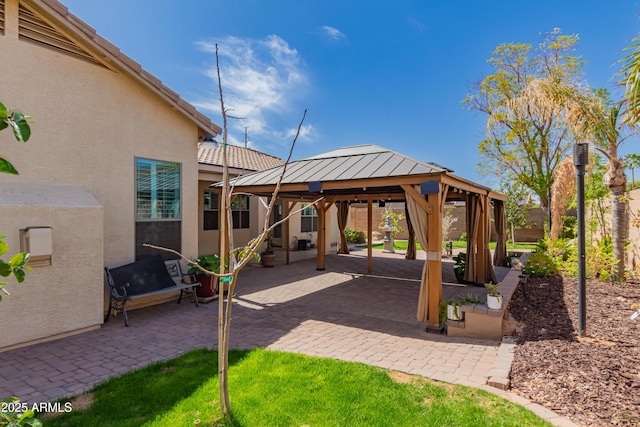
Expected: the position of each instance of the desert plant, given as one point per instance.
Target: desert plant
(493, 288)
(469, 299)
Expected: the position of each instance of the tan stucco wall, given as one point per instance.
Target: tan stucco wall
(67, 295)
(89, 125)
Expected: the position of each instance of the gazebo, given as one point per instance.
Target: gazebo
(370, 173)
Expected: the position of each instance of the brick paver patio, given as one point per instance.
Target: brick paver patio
(340, 313)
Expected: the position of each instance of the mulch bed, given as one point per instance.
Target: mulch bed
(593, 380)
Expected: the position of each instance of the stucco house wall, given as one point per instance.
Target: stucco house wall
(65, 296)
(91, 120)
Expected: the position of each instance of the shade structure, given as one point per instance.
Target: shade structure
(370, 173)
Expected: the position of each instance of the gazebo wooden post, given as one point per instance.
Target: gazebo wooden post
(434, 257)
(321, 235)
(369, 236)
(285, 230)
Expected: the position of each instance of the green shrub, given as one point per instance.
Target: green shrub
(569, 227)
(600, 260)
(463, 237)
(354, 236)
(539, 264)
(562, 249)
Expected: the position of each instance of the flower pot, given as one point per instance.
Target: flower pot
(268, 259)
(459, 275)
(494, 302)
(454, 312)
(209, 286)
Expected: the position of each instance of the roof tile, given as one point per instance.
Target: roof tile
(238, 157)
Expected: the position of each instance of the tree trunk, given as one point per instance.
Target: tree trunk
(619, 228)
(616, 180)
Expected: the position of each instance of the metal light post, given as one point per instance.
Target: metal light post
(580, 160)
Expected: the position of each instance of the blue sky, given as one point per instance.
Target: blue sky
(391, 73)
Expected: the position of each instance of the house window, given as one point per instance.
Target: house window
(239, 211)
(210, 210)
(157, 190)
(158, 211)
(308, 219)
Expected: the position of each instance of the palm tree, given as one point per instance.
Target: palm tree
(591, 117)
(630, 79)
(632, 161)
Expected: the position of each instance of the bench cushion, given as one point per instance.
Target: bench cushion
(144, 276)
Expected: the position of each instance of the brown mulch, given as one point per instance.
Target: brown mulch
(594, 380)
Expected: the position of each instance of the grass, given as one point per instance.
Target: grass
(269, 388)
(401, 245)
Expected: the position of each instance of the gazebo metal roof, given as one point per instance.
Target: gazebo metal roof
(367, 171)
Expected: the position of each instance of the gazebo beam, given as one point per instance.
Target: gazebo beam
(424, 205)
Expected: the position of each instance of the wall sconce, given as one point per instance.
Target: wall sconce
(38, 242)
(208, 142)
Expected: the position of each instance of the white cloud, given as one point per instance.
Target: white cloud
(262, 82)
(332, 32)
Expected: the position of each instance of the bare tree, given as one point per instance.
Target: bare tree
(237, 257)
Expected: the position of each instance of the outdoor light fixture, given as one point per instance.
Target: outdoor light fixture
(381, 203)
(580, 160)
(208, 141)
(522, 281)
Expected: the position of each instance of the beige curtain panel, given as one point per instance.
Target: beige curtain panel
(343, 216)
(411, 242)
(499, 216)
(419, 221)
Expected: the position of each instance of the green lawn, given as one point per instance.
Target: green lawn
(401, 245)
(270, 388)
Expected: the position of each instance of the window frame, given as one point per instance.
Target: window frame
(240, 212)
(309, 213)
(137, 191)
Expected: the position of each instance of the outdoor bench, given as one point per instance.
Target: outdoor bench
(147, 277)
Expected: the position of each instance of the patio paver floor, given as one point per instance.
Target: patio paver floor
(340, 313)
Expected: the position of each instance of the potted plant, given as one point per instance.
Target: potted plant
(454, 310)
(209, 283)
(459, 266)
(494, 298)
(268, 257)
